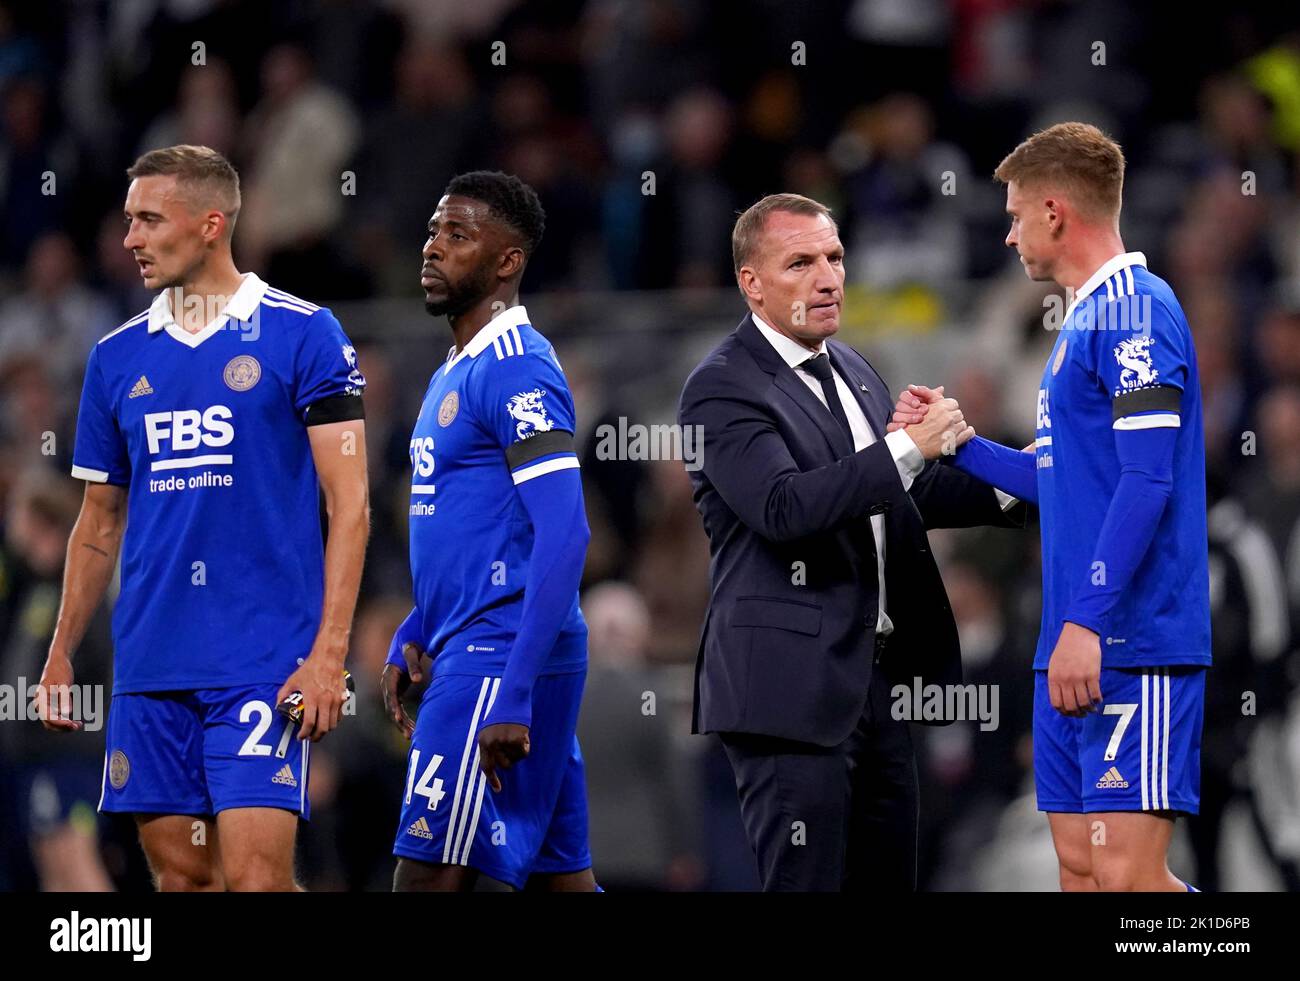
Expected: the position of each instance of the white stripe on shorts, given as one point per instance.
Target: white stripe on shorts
(1142, 757)
(478, 796)
(460, 777)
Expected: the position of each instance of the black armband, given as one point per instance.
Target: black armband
(543, 444)
(335, 408)
(1158, 398)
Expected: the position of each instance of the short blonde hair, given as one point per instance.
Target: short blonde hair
(202, 169)
(749, 226)
(1078, 158)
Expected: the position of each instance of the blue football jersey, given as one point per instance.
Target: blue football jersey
(222, 561)
(1124, 360)
(496, 414)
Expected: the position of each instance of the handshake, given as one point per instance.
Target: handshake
(935, 423)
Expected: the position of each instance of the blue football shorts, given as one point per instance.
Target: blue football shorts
(1139, 751)
(203, 752)
(536, 823)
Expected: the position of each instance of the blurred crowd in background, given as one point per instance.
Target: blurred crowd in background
(645, 126)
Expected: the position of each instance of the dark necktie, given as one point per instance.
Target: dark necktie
(819, 366)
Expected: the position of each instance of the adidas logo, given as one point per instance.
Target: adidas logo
(285, 776)
(420, 829)
(142, 387)
(1111, 779)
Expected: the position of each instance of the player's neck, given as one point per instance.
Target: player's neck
(203, 298)
(466, 325)
(1092, 252)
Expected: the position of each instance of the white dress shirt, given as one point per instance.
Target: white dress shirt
(906, 456)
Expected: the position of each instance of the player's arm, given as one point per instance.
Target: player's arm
(543, 466)
(555, 508)
(339, 452)
(1145, 424)
(99, 457)
(92, 556)
(403, 668)
(1012, 472)
(327, 393)
(1145, 483)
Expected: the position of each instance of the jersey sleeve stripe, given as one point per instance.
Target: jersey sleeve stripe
(282, 295)
(140, 319)
(543, 468)
(1154, 420)
(86, 473)
(287, 306)
(538, 446)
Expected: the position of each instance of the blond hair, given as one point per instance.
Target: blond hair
(209, 177)
(1077, 158)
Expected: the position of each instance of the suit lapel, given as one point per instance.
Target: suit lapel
(793, 386)
(787, 380)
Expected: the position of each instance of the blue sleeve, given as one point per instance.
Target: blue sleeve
(1147, 352)
(1145, 483)
(326, 364)
(524, 401)
(99, 453)
(560, 536)
(408, 632)
(1011, 471)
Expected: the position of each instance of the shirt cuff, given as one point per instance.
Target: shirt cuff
(906, 456)
(1005, 499)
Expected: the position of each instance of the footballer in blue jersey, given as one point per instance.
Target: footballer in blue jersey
(208, 426)
(498, 537)
(1117, 470)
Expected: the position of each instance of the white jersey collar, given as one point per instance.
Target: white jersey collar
(511, 317)
(1108, 269)
(241, 306)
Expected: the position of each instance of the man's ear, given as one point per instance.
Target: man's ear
(750, 284)
(1056, 211)
(512, 260)
(214, 225)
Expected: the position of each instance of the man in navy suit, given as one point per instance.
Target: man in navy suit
(824, 591)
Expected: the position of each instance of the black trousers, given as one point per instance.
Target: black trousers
(837, 819)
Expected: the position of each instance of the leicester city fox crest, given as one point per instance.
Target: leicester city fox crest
(529, 413)
(1134, 355)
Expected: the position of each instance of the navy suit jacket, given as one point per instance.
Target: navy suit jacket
(788, 643)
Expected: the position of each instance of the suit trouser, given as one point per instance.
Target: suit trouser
(828, 819)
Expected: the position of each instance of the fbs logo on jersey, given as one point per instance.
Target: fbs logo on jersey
(1112, 780)
(285, 776)
(142, 387)
(420, 829)
(530, 415)
(185, 429)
